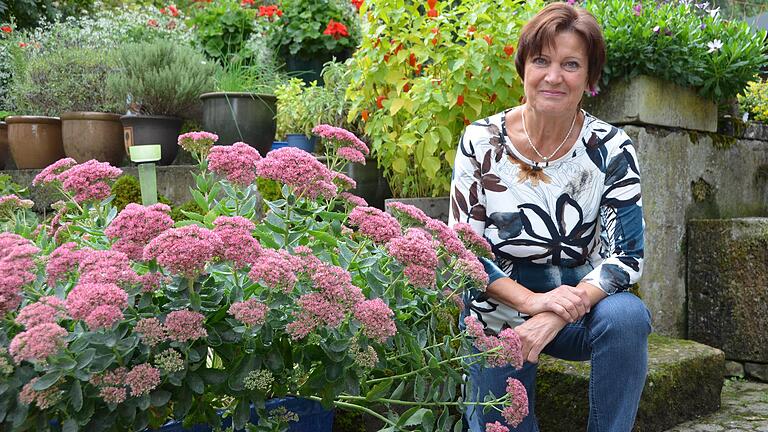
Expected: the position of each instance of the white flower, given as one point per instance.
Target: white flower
(715, 45)
(714, 12)
(745, 117)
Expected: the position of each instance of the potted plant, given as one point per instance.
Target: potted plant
(117, 322)
(299, 108)
(243, 108)
(309, 33)
(672, 51)
(416, 98)
(161, 81)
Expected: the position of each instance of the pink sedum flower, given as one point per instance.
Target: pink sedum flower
(106, 266)
(507, 346)
(88, 181)
(273, 269)
(447, 237)
(113, 395)
(151, 330)
(136, 225)
(376, 318)
(197, 142)
(239, 245)
(375, 224)
(103, 316)
(51, 173)
(415, 247)
(16, 266)
(44, 399)
(184, 250)
(344, 181)
(236, 162)
(351, 154)
(470, 266)
(47, 309)
(316, 310)
(86, 297)
(9, 204)
(142, 379)
(37, 343)
(408, 214)
(420, 276)
(341, 137)
(495, 427)
(298, 169)
(517, 410)
(250, 312)
(473, 241)
(185, 325)
(353, 199)
(62, 261)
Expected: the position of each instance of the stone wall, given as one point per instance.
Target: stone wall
(691, 175)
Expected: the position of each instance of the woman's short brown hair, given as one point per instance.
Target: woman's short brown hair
(559, 18)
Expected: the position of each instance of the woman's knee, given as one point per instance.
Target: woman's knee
(622, 314)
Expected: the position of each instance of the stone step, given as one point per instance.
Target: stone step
(684, 381)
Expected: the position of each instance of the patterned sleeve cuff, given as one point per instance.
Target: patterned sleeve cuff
(494, 272)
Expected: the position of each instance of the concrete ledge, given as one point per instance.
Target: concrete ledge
(684, 381)
(650, 101)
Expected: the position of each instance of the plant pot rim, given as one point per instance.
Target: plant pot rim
(21, 119)
(149, 117)
(3, 125)
(89, 115)
(248, 95)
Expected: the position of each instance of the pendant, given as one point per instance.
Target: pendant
(536, 168)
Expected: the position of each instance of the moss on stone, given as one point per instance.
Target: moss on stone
(701, 190)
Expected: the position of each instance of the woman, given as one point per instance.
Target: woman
(557, 194)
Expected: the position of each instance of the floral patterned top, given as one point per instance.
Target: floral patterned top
(582, 211)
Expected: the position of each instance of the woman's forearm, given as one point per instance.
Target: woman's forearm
(511, 293)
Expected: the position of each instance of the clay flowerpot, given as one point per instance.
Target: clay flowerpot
(35, 142)
(148, 130)
(5, 152)
(246, 117)
(93, 135)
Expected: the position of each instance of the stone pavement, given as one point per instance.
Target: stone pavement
(744, 409)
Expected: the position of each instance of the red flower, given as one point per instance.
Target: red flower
(434, 30)
(471, 29)
(509, 50)
(418, 69)
(22, 45)
(432, 3)
(358, 3)
(434, 41)
(432, 13)
(172, 9)
(336, 29)
(466, 121)
(6, 29)
(493, 98)
(397, 48)
(412, 60)
(365, 113)
(406, 87)
(152, 22)
(163, 11)
(379, 100)
(267, 11)
(488, 39)
(245, 3)
(460, 100)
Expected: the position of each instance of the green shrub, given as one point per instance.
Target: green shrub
(755, 101)
(222, 28)
(161, 78)
(299, 31)
(189, 206)
(66, 80)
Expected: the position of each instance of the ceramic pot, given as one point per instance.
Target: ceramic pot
(93, 135)
(147, 130)
(5, 152)
(35, 141)
(246, 117)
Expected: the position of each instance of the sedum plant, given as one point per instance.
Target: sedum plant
(161, 78)
(420, 76)
(679, 41)
(122, 321)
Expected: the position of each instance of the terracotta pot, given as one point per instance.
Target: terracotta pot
(5, 152)
(35, 142)
(93, 135)
(147, 130)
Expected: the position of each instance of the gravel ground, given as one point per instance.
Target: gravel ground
(744, 409)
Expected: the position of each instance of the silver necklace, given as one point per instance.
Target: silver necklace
(545, 159)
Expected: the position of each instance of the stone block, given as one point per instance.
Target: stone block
(734, 369)
(684, 381)
(652, 101)
(436, 208)
(728, 286)
(757, 370)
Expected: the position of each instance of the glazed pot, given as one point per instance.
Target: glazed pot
(245, 117)
(93, 135)
(5, 152)
(147, 130)
(35, 141)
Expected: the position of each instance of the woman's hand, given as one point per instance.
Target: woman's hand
(568, 302)
(537, 332)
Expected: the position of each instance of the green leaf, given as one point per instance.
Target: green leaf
(242, 414)
(195, 383)
(379, 390)
(69, 425)
(412, 417)
(159, 398)
(76, 395)
(396, 105)
(324, 237)
(47, 380)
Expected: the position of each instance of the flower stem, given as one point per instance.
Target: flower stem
(414, 372)
(356, 408)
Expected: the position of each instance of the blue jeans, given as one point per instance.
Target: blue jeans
(613, 336)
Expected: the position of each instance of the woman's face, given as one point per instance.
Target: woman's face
(556, 79)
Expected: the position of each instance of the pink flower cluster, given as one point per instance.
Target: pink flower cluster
(197, 142)
(507, 344)
(185, 325)
(495, 427)
(10, 203)
(111, 385)
(336, 297)
(45, 310)
(517, 408)
(239, 246)
(347, 145)
(470, 266)
(88, 180)
(142, 379)
(416, 250)
(151, 281)
(37, 343)
(184, 250)
(106, 267)
(273, 269)
(408, 214)
(375, 224)
(298, 169)
(51, 173)
(136, 225)
(63, 260)
(473, 241)
(353, 199)
(98, 304)
(236, 162)
(344, 181)
(249, 312)
(448, 237)
(151, 330)
(44, 399)
(376, 318)
(16, 265)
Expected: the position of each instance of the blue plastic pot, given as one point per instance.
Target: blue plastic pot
(278, 145)
(312, 417)
(301, 141)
